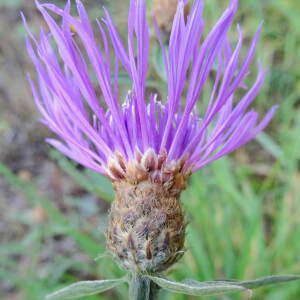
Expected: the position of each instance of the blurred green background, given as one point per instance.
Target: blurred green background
(243, 210)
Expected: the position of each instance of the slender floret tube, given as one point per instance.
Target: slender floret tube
(148, 147)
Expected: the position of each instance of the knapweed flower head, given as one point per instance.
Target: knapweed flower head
(145, 145)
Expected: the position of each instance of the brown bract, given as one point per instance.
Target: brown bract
(164, 12)
(146, 229)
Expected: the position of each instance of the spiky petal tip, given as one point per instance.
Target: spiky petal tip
(66, 93)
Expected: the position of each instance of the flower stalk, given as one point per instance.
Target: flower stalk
(142, 288)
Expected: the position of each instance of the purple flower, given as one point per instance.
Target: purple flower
(77, 90)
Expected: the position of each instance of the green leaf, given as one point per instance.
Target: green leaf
(218, 287)
(195, 288)
(85, 288)
(264, 281)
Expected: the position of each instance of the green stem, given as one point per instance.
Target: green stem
(142, 288)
